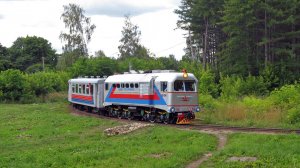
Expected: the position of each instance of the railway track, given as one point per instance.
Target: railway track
(209, 127)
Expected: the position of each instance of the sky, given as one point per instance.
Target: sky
(155, 18)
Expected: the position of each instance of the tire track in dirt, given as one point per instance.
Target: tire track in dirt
(222, 140)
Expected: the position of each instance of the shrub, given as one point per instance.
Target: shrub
(254, 86)
(286, 97)
(293, 115)
(230, 88)
(207, 84)
(14, 86)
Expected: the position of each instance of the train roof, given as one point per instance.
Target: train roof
(87, 80)
(134, 78)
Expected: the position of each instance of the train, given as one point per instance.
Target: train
(157, 96)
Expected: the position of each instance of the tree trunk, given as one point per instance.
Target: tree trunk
(266, 36)
(205, 43)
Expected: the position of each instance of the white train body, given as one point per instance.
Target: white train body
(164, 92)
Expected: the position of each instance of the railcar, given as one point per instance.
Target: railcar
(156, 96)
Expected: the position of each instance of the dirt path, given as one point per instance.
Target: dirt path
(222, 140)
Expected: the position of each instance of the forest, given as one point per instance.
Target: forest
(244, 53)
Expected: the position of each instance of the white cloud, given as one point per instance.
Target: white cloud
(42, 18)
(120, 9)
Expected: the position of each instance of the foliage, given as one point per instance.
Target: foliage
(99, 66)
(4, 59)
(130, 42)
(207, 84)
(14, 86)
(244, 37)
(30, 50)
(79, 27)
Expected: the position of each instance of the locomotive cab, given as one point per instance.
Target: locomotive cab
(180, 93)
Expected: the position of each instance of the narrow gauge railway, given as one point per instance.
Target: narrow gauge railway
(192, 126)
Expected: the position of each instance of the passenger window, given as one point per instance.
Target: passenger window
(73, 88)
(136, 85)
(178, 86)
(114, 85)
(127, 85)
(122, 85)
(76, 88)
(79, 88)
(118, 85)
(83, 89)
(92, 89)
(163, 86)
(106, 86)
(131, 85)
(87, 89)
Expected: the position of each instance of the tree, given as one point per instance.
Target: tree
(200, 18)
(27, 51)
(4, 59)
(130, 41)
(100, 53)
(80, 30)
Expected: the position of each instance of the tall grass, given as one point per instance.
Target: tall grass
(280, 109)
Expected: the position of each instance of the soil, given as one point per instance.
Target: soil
(125, 129)
(222, 140)
(241, 159)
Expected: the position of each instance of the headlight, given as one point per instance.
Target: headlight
(197, 109)
(172, 109)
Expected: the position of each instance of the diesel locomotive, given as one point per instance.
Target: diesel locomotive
(156, 96)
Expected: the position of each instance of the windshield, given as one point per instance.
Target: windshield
(181, 85)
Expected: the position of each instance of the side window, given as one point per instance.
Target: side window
(113, 85)
(136, 85)
(76, 90)
(122, 85)
(92, 89)
(106, 86)
(163, 86)
(87, 89)
(83, 88)
(118, 85)
(131, 85)
(73, 88)
(79, 89)
(127, 85)
(178, 86)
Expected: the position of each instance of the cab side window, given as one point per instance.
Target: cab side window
(163, 86)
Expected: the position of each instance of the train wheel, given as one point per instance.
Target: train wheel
(119, 113)
(152, 118)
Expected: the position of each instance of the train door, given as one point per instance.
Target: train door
(100, 93)
(164, 90)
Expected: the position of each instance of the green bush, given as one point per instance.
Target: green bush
(286, 97)
(293, 115)
(43, 83)
(14, 86)
(254, 86)
(230, 88)
(207, 84)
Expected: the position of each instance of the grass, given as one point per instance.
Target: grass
(271, 151)
(247, 112)
(47, 135)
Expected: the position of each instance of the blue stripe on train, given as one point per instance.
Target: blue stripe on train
(82, 101)
(161, 101)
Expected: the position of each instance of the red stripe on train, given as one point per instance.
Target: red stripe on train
(89, 98)
(133, 96)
